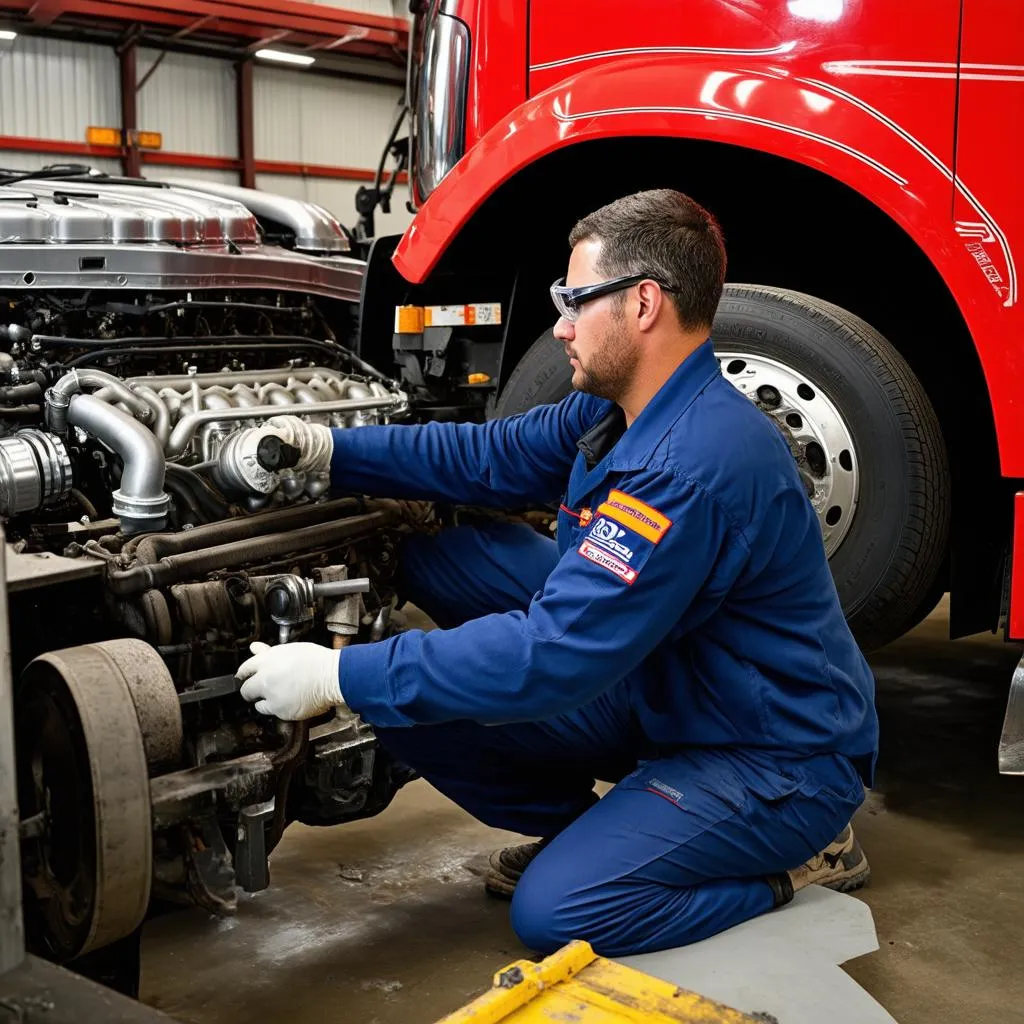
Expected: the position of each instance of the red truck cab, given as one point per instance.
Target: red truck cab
(863, 158)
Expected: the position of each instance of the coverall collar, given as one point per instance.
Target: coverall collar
(609, 444)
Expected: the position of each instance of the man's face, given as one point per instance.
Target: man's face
(603, 352)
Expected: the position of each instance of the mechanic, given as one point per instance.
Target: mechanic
(682, 639)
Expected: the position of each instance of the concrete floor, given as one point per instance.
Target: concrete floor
(384, 921)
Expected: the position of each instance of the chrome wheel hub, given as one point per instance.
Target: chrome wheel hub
(816, 433)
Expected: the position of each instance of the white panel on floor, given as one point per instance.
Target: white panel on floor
(338, 197)
(192, 101)
(785, 964)
(54, 89)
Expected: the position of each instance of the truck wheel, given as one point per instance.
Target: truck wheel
(861, 428)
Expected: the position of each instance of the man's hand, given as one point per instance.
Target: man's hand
(242, 462)
(314, 441)
(291, 681)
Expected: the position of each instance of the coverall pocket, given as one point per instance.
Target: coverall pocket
(689, 780)
(769, 784)
(772, 780)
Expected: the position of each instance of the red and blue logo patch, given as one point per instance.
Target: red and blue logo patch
(623, 534)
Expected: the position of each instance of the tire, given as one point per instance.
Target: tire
(887, 548)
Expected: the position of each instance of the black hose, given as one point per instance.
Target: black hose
(59, 341)
(184, 499)
(58, 171)
(365, 367)
(189, 564)
(88, 358)
(210, 503)
(39, 377)
(155, 546)
(87, 505)
(133, 310)
(20, 411)
(112, 346)
(16, 393)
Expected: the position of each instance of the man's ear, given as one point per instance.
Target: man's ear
(651, 303)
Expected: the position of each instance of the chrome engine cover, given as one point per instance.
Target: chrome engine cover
(92, 233)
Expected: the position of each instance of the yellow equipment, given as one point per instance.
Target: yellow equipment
(577, 985)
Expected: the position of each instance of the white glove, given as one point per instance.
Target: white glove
(291, 681)
(238, 464)
(314, 440)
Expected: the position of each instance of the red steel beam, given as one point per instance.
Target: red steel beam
(59, 147)
(249, 18)
(214, 163)
(246, 145)
(218, 163)
(45, 12)
(129, 110)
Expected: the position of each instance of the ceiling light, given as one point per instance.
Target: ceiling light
(7, 34)
(285, 57)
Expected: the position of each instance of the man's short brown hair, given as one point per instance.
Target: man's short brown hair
(667, 235)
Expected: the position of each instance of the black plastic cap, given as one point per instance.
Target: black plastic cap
(273, 454)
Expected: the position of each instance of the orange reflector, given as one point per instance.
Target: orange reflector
(413, 319)
(472, 315)
(408, 319)
(103, 136)
(149, 140)
(478, 378)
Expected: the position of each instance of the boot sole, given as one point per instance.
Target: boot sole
(850, 881)
(500, 880)
(500, 887)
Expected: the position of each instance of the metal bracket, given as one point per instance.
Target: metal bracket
(251, 868)
(206, 689)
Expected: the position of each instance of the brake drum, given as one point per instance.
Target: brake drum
(91, 722)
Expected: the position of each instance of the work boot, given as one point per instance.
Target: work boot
(841, 866)
(507, 867)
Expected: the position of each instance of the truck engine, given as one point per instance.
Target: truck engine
(143, 328)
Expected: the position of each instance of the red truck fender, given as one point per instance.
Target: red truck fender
(809, 121)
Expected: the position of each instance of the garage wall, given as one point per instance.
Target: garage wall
(52, 89)
(191, 100)
(301, 118)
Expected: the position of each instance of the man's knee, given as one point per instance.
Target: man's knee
(622, 915)
(553, 906)
(540, 913)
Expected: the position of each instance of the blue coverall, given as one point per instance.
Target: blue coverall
(683, 639)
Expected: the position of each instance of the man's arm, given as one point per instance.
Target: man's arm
(501, 463)
(611, 599)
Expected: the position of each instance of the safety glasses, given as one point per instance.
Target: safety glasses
(569, 301)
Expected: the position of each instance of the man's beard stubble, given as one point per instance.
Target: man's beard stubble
(611, 366)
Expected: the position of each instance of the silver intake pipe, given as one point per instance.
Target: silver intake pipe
(161, 416)
(140, 502)
(186, 427)
(74, 382)
(191, 414)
